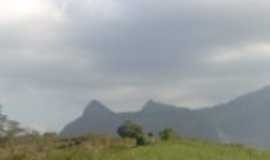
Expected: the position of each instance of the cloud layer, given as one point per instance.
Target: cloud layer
(58, 55)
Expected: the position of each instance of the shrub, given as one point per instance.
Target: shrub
(135, 131)
(143, 140)
(130, 130)
(50, 135)
(167, 134)
(150, 134)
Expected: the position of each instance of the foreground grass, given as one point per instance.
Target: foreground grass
(104, 148)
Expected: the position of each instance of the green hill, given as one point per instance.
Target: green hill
(104, 148)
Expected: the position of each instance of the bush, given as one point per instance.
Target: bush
(167, 134)
(135, 131)
(50, 135)
(130, 130)
(150, 134)
(143, 140)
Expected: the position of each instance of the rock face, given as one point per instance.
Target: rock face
(243, 120)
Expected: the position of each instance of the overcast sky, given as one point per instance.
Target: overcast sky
(57, 55)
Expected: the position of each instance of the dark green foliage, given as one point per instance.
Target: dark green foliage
(130, 130)
(150, 134)
(167, 134)
(143, 140)
(135, 131)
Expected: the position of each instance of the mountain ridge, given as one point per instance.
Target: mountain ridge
(242, 120)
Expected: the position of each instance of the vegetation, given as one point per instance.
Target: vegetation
(132, 146)
(134, 131)
(167, 134)
(143, 140)
(130, 130)
(34, 147)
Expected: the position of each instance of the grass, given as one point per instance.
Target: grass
(105, 148)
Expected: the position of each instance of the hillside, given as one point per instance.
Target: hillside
(105, 148)
(243, 120)
(98, 119)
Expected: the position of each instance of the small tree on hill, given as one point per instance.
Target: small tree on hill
(130, 130)
(150, 134)
(143, 140)
(167, 134)
(134, 131)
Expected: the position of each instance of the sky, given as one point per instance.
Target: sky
(58, 55)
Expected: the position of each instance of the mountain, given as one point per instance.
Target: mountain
(157, 116)
(242, 120)
(245, 119)
(96, 118)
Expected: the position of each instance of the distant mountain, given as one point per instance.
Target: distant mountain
(157, 116)
(243, 120)
(96, 119)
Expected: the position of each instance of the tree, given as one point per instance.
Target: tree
(135, 131)
(130, 130)
(150, 134)
(167, 134)
(13, 129)
(143, 140)
(3, 119)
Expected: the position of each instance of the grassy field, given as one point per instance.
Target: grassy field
(105, 148)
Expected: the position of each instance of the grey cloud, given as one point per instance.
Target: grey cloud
(125, 52)
(156, 37)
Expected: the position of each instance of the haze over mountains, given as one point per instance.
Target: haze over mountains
(242, 120)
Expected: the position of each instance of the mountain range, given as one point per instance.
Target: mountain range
(243, 120)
